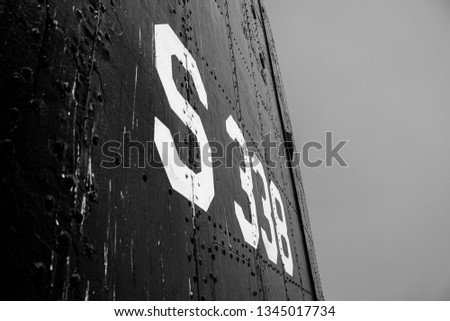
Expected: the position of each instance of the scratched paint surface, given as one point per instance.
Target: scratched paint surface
(76, 74)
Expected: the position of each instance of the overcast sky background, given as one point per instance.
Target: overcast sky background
(376, 73)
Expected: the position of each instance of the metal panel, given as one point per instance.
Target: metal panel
(79, 74)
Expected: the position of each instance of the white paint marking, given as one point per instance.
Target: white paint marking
(249, 229)
(271, 246)
(196, 187)
(282, 231)
(134, 96)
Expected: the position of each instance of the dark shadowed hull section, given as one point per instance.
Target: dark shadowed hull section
(77, 75)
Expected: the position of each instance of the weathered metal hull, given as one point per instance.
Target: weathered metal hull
(77, 74)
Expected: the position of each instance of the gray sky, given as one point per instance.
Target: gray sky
(377, 73)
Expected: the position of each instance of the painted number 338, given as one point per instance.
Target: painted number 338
(185, 181)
